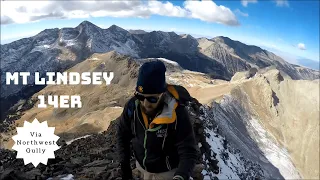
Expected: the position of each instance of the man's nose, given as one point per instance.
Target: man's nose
(146, 103)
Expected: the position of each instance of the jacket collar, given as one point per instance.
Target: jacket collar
(168, 113)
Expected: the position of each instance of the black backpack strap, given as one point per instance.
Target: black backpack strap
(131, 115)
(131, 108)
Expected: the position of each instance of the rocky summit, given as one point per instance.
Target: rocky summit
(95, 156)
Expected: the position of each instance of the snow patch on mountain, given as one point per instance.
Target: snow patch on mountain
(225, 172)
(252, 139)
(232, 163)
(69, 142)
(169, 61)
(277, 155)
(127, 48)
(63, 177)
(40, 48)
(70, 42)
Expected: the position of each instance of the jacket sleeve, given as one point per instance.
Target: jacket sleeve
(123, 143)
(186, 145)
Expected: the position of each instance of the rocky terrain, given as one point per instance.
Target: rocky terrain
(95, 157)
(288, 110)
(101, 103)
(59, 49)
(270, 111)
(236, 124)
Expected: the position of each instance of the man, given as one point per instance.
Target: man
(162, 135)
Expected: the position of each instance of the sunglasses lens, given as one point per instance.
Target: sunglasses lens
(152, 99)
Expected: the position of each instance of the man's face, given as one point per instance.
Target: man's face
(147, 106)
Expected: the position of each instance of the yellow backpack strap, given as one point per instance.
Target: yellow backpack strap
(173, 91)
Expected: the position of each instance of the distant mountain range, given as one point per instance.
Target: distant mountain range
(309, 63)
(297, 60)
(59, 49)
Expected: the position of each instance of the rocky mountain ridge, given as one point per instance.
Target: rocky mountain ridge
(59, 49)
(55, 50)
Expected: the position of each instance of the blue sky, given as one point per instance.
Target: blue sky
(290, 28)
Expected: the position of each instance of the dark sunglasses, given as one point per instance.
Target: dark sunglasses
(151, 99)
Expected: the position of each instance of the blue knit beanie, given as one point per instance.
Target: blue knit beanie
(152, 79)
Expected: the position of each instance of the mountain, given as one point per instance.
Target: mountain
(55, 50)
(309, 63)
(236, 56)
(59, 49)
(261, 124)
(293, 59)
(101, 105)
(289, 111)
(269, 116)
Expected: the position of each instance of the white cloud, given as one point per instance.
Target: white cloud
(237, 11)
(166, 9)
(301, 46)
(25, 12)
(29, 11)
(282, 3)
(210, 12)
(246, 2)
